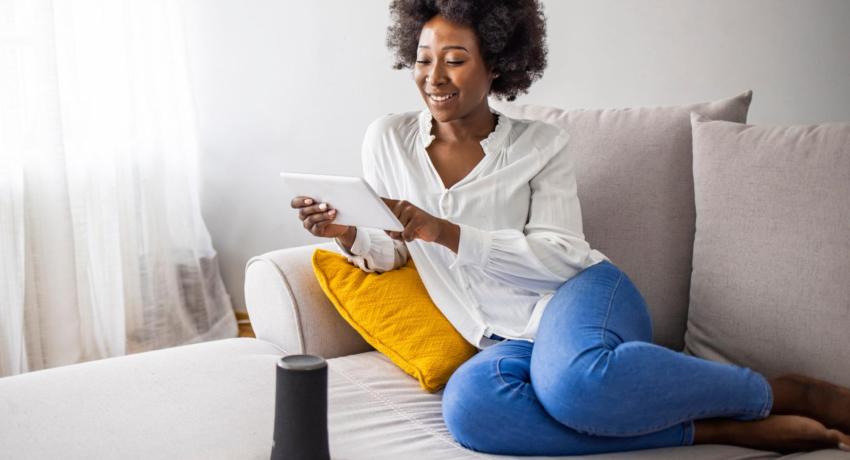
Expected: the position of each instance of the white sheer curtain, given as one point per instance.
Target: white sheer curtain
(103, 250)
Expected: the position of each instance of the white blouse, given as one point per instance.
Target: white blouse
(519, 216)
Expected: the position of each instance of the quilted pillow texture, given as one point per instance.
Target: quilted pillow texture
(635, 185)
(770, 288)
(393, 312)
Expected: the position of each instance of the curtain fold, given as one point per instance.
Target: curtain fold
(101, 153)
(13, 354)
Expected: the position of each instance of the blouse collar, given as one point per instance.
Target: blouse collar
(492, 143)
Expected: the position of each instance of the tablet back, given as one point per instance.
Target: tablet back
(355, 201)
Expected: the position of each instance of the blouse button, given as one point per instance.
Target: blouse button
(445, 202)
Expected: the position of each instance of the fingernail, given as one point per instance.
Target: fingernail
(323, 206)
(308, 201)
(843, 447)
(332, 212)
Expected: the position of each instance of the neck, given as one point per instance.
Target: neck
(475, 126)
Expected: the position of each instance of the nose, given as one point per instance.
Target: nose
(437, 74)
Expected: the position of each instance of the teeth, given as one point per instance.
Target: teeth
(441, 98)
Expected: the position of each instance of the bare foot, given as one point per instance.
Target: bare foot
(817, 399)
(778, 433)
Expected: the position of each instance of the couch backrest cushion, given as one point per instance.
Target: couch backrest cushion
(635, 185)
(770, 288)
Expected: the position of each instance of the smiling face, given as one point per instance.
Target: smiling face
(450, 72)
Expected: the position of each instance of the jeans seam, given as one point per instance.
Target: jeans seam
(653, 429)
(688, 418)
(650, 430)
(610, 304)
(768, 404)
(499, 371)
(688, 434)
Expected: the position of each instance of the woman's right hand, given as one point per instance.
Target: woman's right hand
(317, 218)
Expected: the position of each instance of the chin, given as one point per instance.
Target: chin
(443, 115)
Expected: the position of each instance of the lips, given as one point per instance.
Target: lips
(442, 98)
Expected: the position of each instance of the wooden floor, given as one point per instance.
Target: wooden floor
(245, 329)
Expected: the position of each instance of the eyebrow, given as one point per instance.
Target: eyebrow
(448, 47)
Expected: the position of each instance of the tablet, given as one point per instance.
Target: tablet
(354, 199)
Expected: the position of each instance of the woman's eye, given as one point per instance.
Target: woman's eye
(456, 62)
(422, 62)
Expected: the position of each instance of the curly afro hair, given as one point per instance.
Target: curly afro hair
(511, 36)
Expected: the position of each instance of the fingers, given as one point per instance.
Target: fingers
(301, 201)
(397, 206)
(308, 211)
(411, 225)
(403, 211)
(410, 216)
(317, 218)
(390, 202)
(318, 221)
(408, 234)
(407, 213)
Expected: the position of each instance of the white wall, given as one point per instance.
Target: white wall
(293, 85)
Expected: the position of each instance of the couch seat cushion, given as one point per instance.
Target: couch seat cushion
(215, 400)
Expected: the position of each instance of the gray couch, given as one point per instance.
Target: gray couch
(215, 399)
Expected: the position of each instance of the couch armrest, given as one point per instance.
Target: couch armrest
(288, 308)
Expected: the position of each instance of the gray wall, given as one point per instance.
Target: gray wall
(293, 85)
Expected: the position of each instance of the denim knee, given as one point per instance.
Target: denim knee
(590, 398)
(461, 411)
(575, 399)
(630, 305)
(602, 268)
(483, 390)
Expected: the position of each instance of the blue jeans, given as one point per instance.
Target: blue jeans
(592, 381)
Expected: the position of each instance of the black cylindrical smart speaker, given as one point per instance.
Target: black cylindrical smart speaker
(301, 409)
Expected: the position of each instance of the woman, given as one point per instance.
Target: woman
(492, 220)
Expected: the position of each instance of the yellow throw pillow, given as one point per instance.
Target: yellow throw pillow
(393, 312)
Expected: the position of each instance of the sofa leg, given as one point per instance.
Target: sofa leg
(244, 323)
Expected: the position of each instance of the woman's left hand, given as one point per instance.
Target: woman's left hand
(417, 223)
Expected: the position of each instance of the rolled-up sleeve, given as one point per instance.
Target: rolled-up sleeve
(551, 248)
(374, 251)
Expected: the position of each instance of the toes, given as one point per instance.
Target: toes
(838, 439)
(839, 436)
